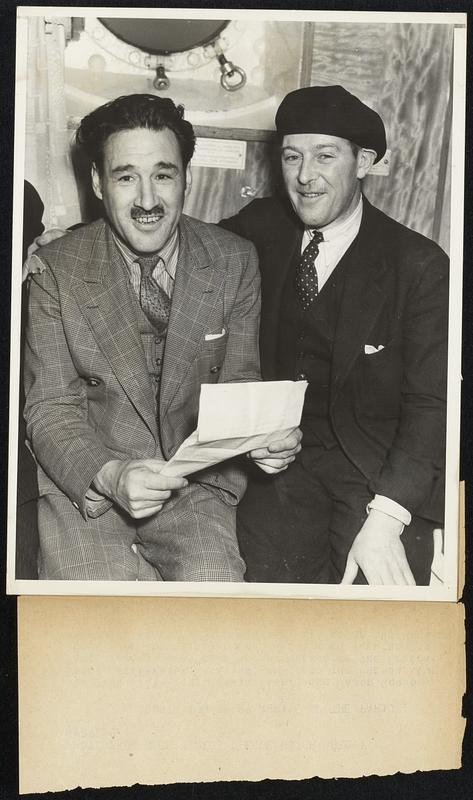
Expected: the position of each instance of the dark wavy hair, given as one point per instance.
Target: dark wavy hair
(134, 111)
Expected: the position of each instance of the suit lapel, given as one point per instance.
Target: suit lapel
(196, 290)
(362, 300)
(104, 297)
(275, 266)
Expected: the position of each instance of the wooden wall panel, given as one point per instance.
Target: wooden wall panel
(351, 55)
(216, 193)
(403, 71)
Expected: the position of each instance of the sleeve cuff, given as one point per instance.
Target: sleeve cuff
(390, 507)
(95, 504)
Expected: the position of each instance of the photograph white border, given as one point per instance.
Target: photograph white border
(449, 590)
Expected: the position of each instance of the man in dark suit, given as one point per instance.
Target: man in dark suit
(128, 316)
(357, 304)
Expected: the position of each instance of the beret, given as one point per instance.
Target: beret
(334, 111)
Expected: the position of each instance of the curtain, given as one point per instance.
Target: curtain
(48, 160)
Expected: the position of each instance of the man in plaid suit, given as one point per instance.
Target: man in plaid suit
(128, 316)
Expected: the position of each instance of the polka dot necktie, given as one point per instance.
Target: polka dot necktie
(306, 281)
(153, 299)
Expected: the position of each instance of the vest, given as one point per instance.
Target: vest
(305, 350)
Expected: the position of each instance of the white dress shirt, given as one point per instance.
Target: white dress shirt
(338, 237)
(164, 272)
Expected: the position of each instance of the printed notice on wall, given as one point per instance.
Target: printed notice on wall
(383, 166)
(222, 153)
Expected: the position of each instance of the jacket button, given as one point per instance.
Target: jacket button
(214, 370)
(76, 505)
(93, 381)
(301, 376)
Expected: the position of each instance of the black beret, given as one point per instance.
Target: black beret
(334, 111)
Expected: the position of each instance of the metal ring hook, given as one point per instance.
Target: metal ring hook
(161, 81)
(228, 72)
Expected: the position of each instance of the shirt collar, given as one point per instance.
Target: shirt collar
(336, 230)
(166, 254)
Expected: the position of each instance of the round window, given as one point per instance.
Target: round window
(164, 36)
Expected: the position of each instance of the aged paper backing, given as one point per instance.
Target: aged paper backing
(117, 691)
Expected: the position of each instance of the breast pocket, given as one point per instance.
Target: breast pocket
(211, 357)
(379, 378)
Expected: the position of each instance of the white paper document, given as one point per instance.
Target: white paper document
(235, 418)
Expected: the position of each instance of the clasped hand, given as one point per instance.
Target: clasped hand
(137, 485)
(378, 551)
(278, 455)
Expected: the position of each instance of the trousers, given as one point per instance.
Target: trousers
(193, 538)
(298, 526)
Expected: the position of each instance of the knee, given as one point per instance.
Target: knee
(211, 567)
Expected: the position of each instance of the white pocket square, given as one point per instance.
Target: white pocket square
(209, 337)
(370, 348)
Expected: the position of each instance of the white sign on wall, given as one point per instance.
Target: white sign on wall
(383, 167)
(222, 153)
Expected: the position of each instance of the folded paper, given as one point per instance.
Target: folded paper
(235, 418)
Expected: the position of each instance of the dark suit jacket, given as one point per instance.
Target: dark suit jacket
(388, 409)
(88, 392)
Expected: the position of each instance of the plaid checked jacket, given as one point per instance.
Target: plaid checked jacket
(88, 393)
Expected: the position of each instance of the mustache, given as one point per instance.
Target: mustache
(137, 211)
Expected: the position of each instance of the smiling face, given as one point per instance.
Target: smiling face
(143, 185)
(321, 174)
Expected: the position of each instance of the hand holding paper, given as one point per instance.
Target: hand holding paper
(278, 455)
(238, 418)
(137, 485)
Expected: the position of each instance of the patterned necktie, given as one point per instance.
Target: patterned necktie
(153, 299)
(306, 281)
